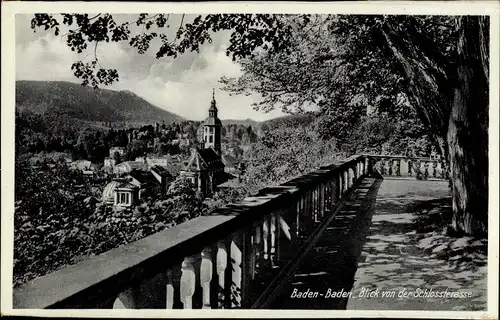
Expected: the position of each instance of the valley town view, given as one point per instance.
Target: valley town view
(267, 161)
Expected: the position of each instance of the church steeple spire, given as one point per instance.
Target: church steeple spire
(212, 127)
(212, 112)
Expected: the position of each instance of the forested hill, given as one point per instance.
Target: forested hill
(290, 121)
(279, 122)
(244, 122)
(84, 103)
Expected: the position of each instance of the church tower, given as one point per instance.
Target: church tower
(212, 128)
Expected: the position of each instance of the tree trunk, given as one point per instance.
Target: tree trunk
(468, 129)
(455, 111)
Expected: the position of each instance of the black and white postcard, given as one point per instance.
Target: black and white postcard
(292, 160)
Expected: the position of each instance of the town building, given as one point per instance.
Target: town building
(85, 166)
(109, 162)
(212, 128)
(230, 163)
(128, 166)
(126, 191)
(205, 169)
(116, 150)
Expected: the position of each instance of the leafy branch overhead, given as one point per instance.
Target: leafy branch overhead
(249, 31)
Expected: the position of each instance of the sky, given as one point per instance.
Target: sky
(182, 85)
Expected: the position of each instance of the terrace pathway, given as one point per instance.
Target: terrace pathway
(372, 244)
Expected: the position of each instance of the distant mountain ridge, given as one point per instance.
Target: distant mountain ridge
(245, 122)
(83, 103)
(283, 121)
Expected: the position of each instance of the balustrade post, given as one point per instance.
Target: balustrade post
(188, 282)
(287, 232)
(126, 299)
(336, 182)
(298, 215)
(346, 181)
(355, 168)
(274, 219)
(206, 268)
(340, 187)
(369, 165)
(266, 241)
(306, 218)
(316, 204)
(322, 201)
(169, 290)
(221, 263)
(310, 216)
(258, 247)
(238, 274)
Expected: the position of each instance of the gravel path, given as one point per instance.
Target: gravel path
(409, 271)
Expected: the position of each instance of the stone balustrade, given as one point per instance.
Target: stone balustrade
(239, 256)
(422, 168)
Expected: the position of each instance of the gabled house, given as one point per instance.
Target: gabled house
(163, 176)
(230, 163)
(137, 184)
(85, 166)
(203, 170)
(116, 150)
(109, 162)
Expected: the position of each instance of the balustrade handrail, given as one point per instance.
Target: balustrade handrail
(378, 156)
(110, 273)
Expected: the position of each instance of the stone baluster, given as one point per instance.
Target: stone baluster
(426, 169)
(322, 200)
(126, 300)
(340, 186)
(252, 252)
(316, 204)
(337, 185)
(345, 179)
(349, 178)
(206, 269)
(188, 282)
(265, 243)
(298, 214)
(287, 233)
(310, 215)
(326, 197)
(221, 264)
(258, 249)
(354, 172)
(237, 271)
(383, 166)
(274, 238)
(331, 194)
(312, 196)
(170, 292)
(369, 165)
(306, 214)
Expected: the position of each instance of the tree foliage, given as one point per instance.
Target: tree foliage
(436, 63)
(285, 153)
(250, 31)
(59, 220)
